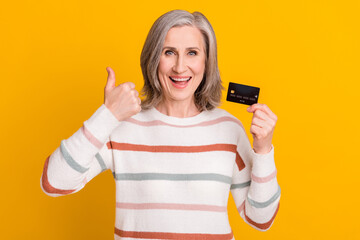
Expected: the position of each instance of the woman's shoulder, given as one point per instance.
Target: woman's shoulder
(221, 112)
(224, 114)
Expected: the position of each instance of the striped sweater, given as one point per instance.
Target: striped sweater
(173, 175)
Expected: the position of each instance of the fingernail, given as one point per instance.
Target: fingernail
(248, 108)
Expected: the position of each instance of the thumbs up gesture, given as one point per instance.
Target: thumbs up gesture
(122, 100)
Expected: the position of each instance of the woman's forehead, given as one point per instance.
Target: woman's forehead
(184, 37)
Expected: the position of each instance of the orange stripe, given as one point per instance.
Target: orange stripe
(176, 149)
(171, 149)
(176, 236)
(262, 226)
(47, 186)
(239, 162)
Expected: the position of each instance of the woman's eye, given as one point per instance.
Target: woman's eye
(193, 53)
(168, 52)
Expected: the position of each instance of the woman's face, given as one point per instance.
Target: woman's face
(182, 63)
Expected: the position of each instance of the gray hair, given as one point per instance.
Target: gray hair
(208, 94)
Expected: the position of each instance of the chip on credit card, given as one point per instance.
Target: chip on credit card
(244, 94)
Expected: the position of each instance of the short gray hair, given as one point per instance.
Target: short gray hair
(208, 94)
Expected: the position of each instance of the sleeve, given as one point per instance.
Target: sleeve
(254, 185)
(81, 157)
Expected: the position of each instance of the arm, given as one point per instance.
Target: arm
(81, 157)
(84, 155)
(255, 188)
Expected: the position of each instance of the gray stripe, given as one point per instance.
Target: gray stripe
(173, 177)
(267, 203)
(74, 165)
(101, 162)
(240, 185)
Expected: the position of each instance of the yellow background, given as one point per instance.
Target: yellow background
(304, 55)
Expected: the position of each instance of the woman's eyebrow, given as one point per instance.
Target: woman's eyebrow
(191, 48)
(173, 48)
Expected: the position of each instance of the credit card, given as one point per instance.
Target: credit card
(242, 94)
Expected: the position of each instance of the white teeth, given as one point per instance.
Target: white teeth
(180, 79)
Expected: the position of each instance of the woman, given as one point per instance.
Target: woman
(174, 156)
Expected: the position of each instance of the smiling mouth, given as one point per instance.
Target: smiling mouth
(180, 80)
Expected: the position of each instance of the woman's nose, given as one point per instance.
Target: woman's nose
(180, 65)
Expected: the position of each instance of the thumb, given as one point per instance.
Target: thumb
(250, 109)
(110, 84)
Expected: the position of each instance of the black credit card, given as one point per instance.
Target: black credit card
(242, 94)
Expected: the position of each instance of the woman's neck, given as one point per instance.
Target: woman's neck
(181, 109)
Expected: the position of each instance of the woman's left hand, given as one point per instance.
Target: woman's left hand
(262, 127)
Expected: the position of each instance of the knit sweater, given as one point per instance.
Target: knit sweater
(173, 175)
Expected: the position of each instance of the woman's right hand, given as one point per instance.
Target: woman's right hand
(122, 100)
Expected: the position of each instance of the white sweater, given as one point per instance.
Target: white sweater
(173, 175)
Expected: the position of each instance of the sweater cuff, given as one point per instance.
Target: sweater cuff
(101, 124)
(263, 164)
